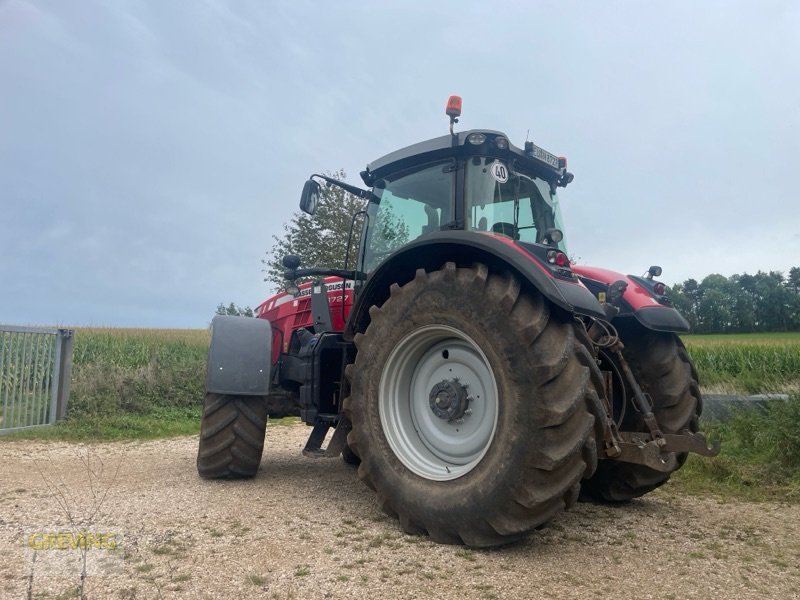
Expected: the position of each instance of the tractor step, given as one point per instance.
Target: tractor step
(313, 448)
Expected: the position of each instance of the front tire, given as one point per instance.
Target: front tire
(665, 371)
(472, 407)
(231, 436)
(350, 457)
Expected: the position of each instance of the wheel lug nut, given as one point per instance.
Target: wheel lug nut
(468, 412)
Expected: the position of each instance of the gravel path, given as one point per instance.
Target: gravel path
(306, 528)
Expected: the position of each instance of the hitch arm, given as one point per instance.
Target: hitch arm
(643, 402)
(686, 441)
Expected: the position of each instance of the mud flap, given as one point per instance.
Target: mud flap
(239, 357)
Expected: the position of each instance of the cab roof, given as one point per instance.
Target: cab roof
(546, 165)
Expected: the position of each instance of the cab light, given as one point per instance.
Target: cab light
(562, 162)
(501, 143)
(476, 138)
(557, 258)
(660, 289)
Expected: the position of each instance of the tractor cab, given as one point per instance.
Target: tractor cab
(472, 181)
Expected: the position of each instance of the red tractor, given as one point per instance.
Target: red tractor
(480, 380)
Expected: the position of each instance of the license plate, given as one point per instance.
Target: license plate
(545, 156)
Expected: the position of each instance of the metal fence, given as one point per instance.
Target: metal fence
(35, 372)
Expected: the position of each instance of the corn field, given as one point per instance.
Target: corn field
(137, 370)
(136, 348)
(747, 363)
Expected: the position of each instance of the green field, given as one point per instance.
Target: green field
(747, 363)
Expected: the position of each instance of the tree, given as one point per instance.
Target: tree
(715, 306)
(684, 297)
(794, 280)
(745, 306)
(320, 240)
(775, 301)
(234, 311)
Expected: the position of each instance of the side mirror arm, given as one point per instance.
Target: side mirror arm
(356, 191)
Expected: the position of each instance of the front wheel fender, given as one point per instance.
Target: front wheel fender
(239, 356)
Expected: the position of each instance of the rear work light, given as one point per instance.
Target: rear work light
(660, 289)
(557, 258)
(476, 138)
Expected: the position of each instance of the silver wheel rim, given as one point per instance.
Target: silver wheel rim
(431, 446)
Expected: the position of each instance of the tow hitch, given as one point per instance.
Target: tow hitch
(654, 448)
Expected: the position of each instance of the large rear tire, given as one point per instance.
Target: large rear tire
(665, 371)
(472, 407)
(231, 436)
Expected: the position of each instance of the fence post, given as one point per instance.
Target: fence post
(65, 340)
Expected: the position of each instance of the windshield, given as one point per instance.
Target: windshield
(505, 202)
(406, 206)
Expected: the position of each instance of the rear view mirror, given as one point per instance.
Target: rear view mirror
(310, 197)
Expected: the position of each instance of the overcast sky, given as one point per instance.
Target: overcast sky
(149, 150)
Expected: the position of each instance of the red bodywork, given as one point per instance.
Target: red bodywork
(288, 313)
(635, 295)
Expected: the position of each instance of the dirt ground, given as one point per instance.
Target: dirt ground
(306, 528)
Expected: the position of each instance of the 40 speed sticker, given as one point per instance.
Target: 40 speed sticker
(499, 171)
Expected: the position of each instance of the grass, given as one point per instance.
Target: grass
(161, 422)
(760, 458)
(302, 570)
(256, 580)
(466, 555)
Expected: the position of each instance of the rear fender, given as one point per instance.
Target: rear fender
(637, 301)
(239, 357)
(466, 248)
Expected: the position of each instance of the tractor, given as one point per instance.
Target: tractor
(481, 381)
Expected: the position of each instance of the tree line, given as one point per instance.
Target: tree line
(764, 302)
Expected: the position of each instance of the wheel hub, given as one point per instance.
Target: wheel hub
(449, 400)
